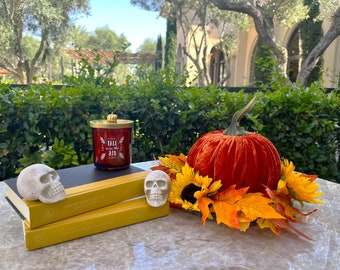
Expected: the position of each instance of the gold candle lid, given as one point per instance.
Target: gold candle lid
(111, 121)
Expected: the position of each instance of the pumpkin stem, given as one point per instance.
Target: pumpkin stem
(234, 129)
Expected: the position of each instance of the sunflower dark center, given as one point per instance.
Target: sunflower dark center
(188, 193)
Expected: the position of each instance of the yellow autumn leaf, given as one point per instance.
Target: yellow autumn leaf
(254, 205)
(173, 162)
(267, 223)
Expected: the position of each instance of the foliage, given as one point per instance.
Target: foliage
(148, 46)
(263, 65)
(159, 51)
(48, 20)
(102, 39)
(170, 43)
(43, 123)
(265, 13)
(294, 118)
(310, 31)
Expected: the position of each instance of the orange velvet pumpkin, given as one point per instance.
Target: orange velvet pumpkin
(236, 156)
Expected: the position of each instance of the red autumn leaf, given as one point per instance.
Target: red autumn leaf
(311, 177)
(284, 224)
(285, 208)
(283, 203)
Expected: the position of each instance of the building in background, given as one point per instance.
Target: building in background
(241, 62)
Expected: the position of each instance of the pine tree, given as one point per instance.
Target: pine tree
(159, 51)
(170, 43)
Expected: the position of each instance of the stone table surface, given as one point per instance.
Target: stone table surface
(180, 241)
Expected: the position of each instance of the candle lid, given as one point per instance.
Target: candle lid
(111, 121)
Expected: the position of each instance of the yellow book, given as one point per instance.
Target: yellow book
(100, 220)
(80, 197)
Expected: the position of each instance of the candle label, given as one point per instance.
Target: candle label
(112, 148)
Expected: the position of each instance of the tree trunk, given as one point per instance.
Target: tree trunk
(264, 26)
(319, 49)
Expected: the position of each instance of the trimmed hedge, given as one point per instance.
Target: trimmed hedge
(42, 123)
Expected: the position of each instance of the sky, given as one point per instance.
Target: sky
(122, 18)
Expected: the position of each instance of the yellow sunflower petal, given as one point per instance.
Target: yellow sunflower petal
(282, 187)
(302, 189)
(287, 167)
(214, 187)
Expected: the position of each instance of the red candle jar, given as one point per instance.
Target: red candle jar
(112, 143)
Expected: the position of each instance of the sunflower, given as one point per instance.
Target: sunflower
(300, 186)
(189, 187)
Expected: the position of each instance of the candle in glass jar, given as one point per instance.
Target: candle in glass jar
(112, 143)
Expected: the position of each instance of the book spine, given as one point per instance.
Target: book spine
(100, 220)
(41, 214)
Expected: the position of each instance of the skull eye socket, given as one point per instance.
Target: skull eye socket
(160, 183)
(46, 178)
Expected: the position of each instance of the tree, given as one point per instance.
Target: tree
(310, 31)
(196, 19)
(46, 20)
(265, 12)
(170, 43)
(159, 51)
(148, 46)
(105, 39)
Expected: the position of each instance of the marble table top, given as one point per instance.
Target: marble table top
(180, 241)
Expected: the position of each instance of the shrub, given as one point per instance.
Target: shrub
(42, 123)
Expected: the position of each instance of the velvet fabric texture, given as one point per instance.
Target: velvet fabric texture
(248, 160)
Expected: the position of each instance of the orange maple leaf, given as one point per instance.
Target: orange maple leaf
(224, 205)
(227, 213)
(204, 206)
(236, 209)
(231, 194)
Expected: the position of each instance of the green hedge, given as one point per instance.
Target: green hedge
(44, 124)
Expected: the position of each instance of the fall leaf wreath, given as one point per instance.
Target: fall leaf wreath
(238, 178)
(238, 208)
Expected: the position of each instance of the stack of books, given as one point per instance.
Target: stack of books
(96, 201)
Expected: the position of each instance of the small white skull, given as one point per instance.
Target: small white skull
(157, 186)
(40, 182)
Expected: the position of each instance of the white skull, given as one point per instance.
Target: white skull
(157, 188)
(40, 182)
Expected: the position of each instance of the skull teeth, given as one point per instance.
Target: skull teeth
(156, 197)
(55, 190)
